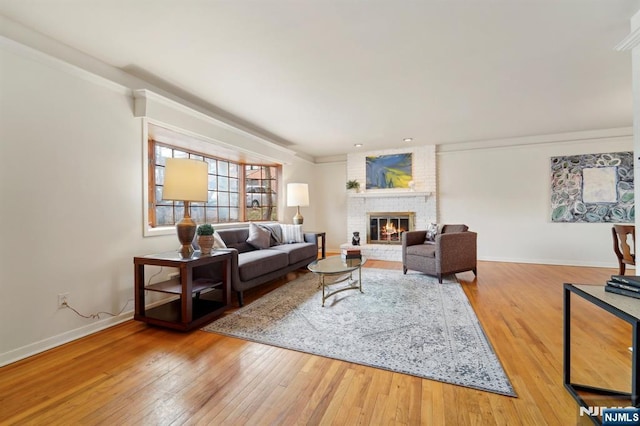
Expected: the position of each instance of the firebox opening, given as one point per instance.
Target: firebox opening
(387, 227)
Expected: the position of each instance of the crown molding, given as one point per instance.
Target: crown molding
(61, 65)
(604, 134)
(630, 41)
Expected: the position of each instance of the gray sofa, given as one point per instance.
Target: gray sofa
(251, 267)
(452, 250)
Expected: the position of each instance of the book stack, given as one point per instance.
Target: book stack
(625, 285)
(351, 253)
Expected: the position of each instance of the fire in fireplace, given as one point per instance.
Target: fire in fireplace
(387, 227)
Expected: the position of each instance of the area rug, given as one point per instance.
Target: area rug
(402, 323)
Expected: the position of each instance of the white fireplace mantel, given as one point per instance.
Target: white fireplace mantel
(387, 194)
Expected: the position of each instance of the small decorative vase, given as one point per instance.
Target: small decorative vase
(206, 243)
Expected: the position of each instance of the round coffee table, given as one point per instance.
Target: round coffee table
(337, 265)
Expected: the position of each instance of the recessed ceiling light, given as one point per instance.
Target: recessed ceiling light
(357, 145)
(407, 139)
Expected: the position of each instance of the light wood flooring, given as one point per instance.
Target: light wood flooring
(140, 375)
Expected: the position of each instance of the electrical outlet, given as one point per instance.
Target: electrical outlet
(174, 275)
(63, 299)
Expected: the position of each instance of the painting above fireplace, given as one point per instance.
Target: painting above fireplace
(389, 171)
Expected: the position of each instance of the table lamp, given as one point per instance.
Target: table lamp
(185, 180)
(297, 195)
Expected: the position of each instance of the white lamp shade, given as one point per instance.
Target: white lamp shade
(297, 194)
(185, 180)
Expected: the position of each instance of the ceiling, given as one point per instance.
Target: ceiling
(319, 76)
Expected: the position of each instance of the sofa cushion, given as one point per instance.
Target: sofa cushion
(260, 262)
(292, 233)
(454, 228)
(259, 237)
(236, 238)
(424, 250)
(297, 251)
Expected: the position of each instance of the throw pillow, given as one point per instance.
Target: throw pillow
(432, 231)
(258, 237)
(274, 230)
(218, 242)
(292, 233)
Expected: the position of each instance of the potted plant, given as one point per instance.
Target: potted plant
(353, 185)
(205, 238)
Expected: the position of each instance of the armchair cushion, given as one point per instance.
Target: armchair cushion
(424, 250)
(454, 228)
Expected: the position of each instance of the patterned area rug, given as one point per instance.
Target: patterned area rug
(403, 323)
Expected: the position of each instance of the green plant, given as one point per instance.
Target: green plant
(353, 184)
(205, 229)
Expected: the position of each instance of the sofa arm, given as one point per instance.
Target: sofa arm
(456, 250)
(310, 237)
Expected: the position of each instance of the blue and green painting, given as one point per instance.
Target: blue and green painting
(389, 171)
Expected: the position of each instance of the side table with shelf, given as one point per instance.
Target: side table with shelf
(194, 307)
(623, 307)
(322, 242)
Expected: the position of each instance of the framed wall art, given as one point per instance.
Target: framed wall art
(389, 171)
(593, 188)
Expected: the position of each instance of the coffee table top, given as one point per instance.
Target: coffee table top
(335, 265)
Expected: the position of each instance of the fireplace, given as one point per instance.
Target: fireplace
(387, 227)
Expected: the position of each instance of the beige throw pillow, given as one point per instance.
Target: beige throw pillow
(292, 233)
(258, 237)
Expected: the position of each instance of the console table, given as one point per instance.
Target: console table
(194, 305)
(624, 307)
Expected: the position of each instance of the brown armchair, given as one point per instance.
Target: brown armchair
(454, 250)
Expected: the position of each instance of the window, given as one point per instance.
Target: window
(260, 192)
(237, 192)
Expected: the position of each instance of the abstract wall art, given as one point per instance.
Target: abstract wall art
(389, 171)
(593, 188)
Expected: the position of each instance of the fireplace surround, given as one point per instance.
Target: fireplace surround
(387, 227)
(421, 199)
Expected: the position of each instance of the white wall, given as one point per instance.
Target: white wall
(71, 203)
(71, 199)
(331, 202)
(504, 194)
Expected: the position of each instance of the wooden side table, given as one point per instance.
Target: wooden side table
(322, 239)
(196, 304)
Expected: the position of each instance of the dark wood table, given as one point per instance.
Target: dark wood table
(322, 242)
(197, 301)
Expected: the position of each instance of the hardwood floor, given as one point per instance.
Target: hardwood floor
(136, 374)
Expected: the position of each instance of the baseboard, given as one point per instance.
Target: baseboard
(68, 336)
(60, 339)
(559, 262)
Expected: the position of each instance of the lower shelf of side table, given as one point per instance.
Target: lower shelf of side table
(168, 314)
